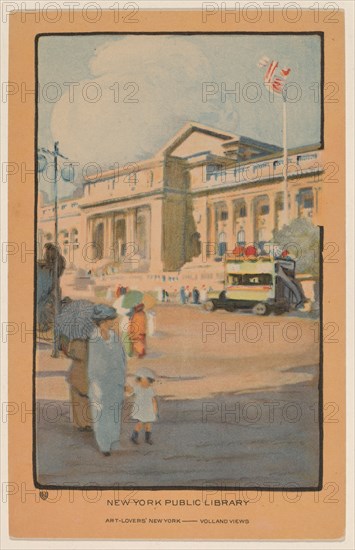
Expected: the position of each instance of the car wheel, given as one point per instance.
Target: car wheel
(209, 306)
(261, 309)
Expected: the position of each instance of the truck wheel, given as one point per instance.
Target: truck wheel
(209, 306)
(261, 309)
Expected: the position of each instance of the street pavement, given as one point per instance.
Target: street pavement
(238, 400)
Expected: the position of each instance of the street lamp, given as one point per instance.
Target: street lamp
(41, 166)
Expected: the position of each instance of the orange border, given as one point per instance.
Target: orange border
(314, 515)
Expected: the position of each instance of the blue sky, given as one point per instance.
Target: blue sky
(165, 76)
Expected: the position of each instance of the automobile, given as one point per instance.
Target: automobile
(262, 284)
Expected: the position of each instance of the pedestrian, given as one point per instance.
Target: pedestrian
(106, 373)
(77, 378)
(160, 294)
(109, 294)
(151, 322)
(196, 295)
(118, 291)
(182, 295)
(46, 293)
(137, 330)
(187, 294)
(145, 407)
(203, 295)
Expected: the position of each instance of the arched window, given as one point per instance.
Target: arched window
(242, 211)
(241, 236)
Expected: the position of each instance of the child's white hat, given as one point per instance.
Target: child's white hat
(144, 372)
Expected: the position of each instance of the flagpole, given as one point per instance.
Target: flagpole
(284, 139)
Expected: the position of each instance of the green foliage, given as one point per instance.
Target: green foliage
(302, 239)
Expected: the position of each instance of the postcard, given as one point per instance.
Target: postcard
(176, 273)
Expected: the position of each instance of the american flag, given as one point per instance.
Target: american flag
(274, 80)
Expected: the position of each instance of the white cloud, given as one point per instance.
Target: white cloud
(168, 72)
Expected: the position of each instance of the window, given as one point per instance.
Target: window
(250, 279)
(262, 235)
(224, 215)
(213, 171)
(242, 211)
(279, 203)
(305, 197)
(308, 202)
(241, 237)
(235, 280)
(264, 209)
(257, 279)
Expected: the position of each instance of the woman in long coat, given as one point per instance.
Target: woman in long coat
(107, 371)
(78, 381)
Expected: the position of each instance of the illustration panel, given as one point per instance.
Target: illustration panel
(178, 269)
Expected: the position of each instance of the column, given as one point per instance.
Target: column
(131, 226)
(156, 236)
(211, 232)
(84, 238)
(316, 205)
(202, 227)
(200, 205)
(87, 247)
(231, 238)
(148, 218)
(293, 211)
(108, 235)
(89, 228)
(272, 213)
(249, 221)
(132, 256)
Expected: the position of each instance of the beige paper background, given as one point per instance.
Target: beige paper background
(71, 514)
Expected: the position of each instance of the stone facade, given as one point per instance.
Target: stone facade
(200, 195)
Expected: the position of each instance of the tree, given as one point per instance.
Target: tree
(302, 239)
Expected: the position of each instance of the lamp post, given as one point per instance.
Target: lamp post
(55, 154)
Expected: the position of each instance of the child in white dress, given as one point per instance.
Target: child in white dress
(145, 407)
